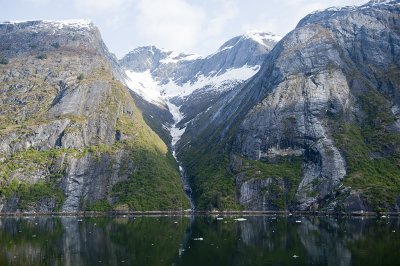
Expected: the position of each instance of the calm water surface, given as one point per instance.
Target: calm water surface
(266, 240)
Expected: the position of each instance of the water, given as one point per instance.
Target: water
(176, 134)
(171, 241)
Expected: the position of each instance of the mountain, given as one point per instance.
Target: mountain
(315, 129)
(309, 122)
(71, 135)
(173, 88)
(167, 79)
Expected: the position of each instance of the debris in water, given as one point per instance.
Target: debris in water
(295, 256)
(383, 216)
(393, 231)
(220, 218)
(175, 222)
(298, 221)
(240, 219)
(198, 239)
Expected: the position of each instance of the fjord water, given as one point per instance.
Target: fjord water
(205, 240)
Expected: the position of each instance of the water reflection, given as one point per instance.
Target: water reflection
(263, 240)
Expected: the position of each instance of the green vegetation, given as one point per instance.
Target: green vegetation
(55, 45)
(3, 60)
(42, 56)
(212, 182)
(31, 194)
(154, 186)
(285, 174)
(29, 161)
(99, 206)
(372, 152)
(155, 183)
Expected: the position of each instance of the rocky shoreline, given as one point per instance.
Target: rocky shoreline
(203, 213)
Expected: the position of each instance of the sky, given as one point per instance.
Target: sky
(191, 26)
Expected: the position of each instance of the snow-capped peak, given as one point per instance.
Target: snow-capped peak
(380, 1)
(174, 57)
(370, 4)
(60, 24)
(261, 37)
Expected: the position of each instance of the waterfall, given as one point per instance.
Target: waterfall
(176, 134)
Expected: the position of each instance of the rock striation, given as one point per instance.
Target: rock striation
(71, 136)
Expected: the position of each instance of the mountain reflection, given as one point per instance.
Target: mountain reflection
(204, 240)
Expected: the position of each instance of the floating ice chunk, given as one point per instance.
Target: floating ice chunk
(240, 219)
(198, 239)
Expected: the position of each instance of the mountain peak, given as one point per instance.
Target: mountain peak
(59, 24)
(380, 1)
(261, 37)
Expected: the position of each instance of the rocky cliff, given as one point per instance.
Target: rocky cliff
(71, 136)
(316, 128)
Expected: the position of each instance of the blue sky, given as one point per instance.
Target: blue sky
(193, 26)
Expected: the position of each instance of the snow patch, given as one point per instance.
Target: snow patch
(174, 57)
(262, 37)
(143, 84)
(151, 90)
(176, 132)
(370, 4)
(60, 24)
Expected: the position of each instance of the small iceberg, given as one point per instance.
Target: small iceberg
(198, 239)
(295, 256)
(298, 221)
(220, 218)
(240, 219)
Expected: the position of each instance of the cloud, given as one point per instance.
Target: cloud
(38, 2)
(173, 25)
(180, 25)
(282, 16)
(99, 7)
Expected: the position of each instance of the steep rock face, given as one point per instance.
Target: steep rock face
(327, 95)
(71, 136)
(329, 64)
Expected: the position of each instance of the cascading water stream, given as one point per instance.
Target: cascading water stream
(176, 134)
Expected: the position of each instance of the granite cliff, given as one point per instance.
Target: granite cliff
(317, 126)
(72, 137)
